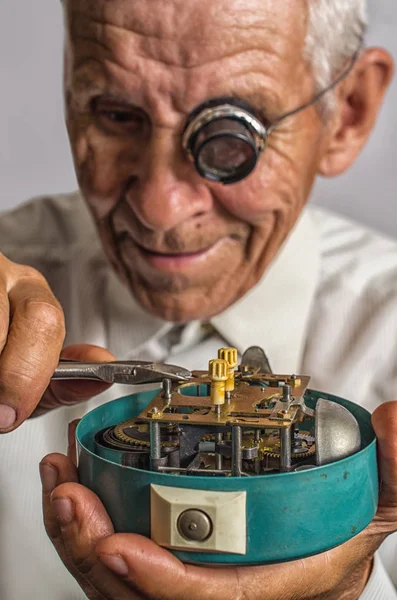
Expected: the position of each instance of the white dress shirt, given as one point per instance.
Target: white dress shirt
(326, 307)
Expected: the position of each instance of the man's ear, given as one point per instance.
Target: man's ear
(358, 100)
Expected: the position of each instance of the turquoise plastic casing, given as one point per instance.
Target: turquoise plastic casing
(289, 515)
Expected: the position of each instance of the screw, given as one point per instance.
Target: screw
(287, 393)
(167, 387)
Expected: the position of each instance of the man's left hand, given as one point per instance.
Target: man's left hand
(130, 567)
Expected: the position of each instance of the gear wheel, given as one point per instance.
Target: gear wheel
(270, 447)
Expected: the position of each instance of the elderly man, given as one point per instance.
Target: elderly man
(169, 107)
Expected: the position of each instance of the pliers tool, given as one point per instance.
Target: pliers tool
(129, 372)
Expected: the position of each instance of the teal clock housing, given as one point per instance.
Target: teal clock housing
(284, 515)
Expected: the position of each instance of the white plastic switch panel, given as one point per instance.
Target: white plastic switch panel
(226, 510)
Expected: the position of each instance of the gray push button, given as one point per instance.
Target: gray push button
(195, 525)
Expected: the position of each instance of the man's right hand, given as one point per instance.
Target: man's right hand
(32, 332)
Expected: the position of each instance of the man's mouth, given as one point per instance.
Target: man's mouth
(174, 261)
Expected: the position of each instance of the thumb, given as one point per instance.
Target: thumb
(384, 421)
(156, 573)
(61, 393)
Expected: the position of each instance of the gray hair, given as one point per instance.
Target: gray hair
(335, 30)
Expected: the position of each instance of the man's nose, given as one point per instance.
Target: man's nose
(167, 190)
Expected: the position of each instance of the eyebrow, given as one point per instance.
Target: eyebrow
(85, 88)
(91, 79)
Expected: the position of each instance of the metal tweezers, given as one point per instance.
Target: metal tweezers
(130, 372)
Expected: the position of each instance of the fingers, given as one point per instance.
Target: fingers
(76, 520)
(384, 421)
(79, 527)
(67, 393)
(156, 573)
(30, 346)
(72, 447)
(32, 332)
(4, 311)
(83, 521)
(55, 469)
(131, 567)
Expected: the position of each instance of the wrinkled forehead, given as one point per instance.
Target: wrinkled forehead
(188, 30)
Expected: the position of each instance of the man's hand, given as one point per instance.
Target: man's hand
(131, 567)
(32, 331)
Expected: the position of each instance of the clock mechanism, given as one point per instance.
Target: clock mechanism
(231, 421)
(234, 465)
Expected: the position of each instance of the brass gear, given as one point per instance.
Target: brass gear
(270, 447)
(298, 456)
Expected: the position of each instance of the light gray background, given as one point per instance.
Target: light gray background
(34, 152)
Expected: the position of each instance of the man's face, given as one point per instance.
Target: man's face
(188, 248)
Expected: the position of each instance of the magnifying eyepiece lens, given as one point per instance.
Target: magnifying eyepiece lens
(225, 149)
(224, 154)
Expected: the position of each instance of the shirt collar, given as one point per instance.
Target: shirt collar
(275, 313)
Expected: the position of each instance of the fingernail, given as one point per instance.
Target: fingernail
(115, 563)
(48, 476)
(8, 416)
(64, 510)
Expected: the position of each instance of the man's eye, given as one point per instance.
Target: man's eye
(119, 119)
(120, 116)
